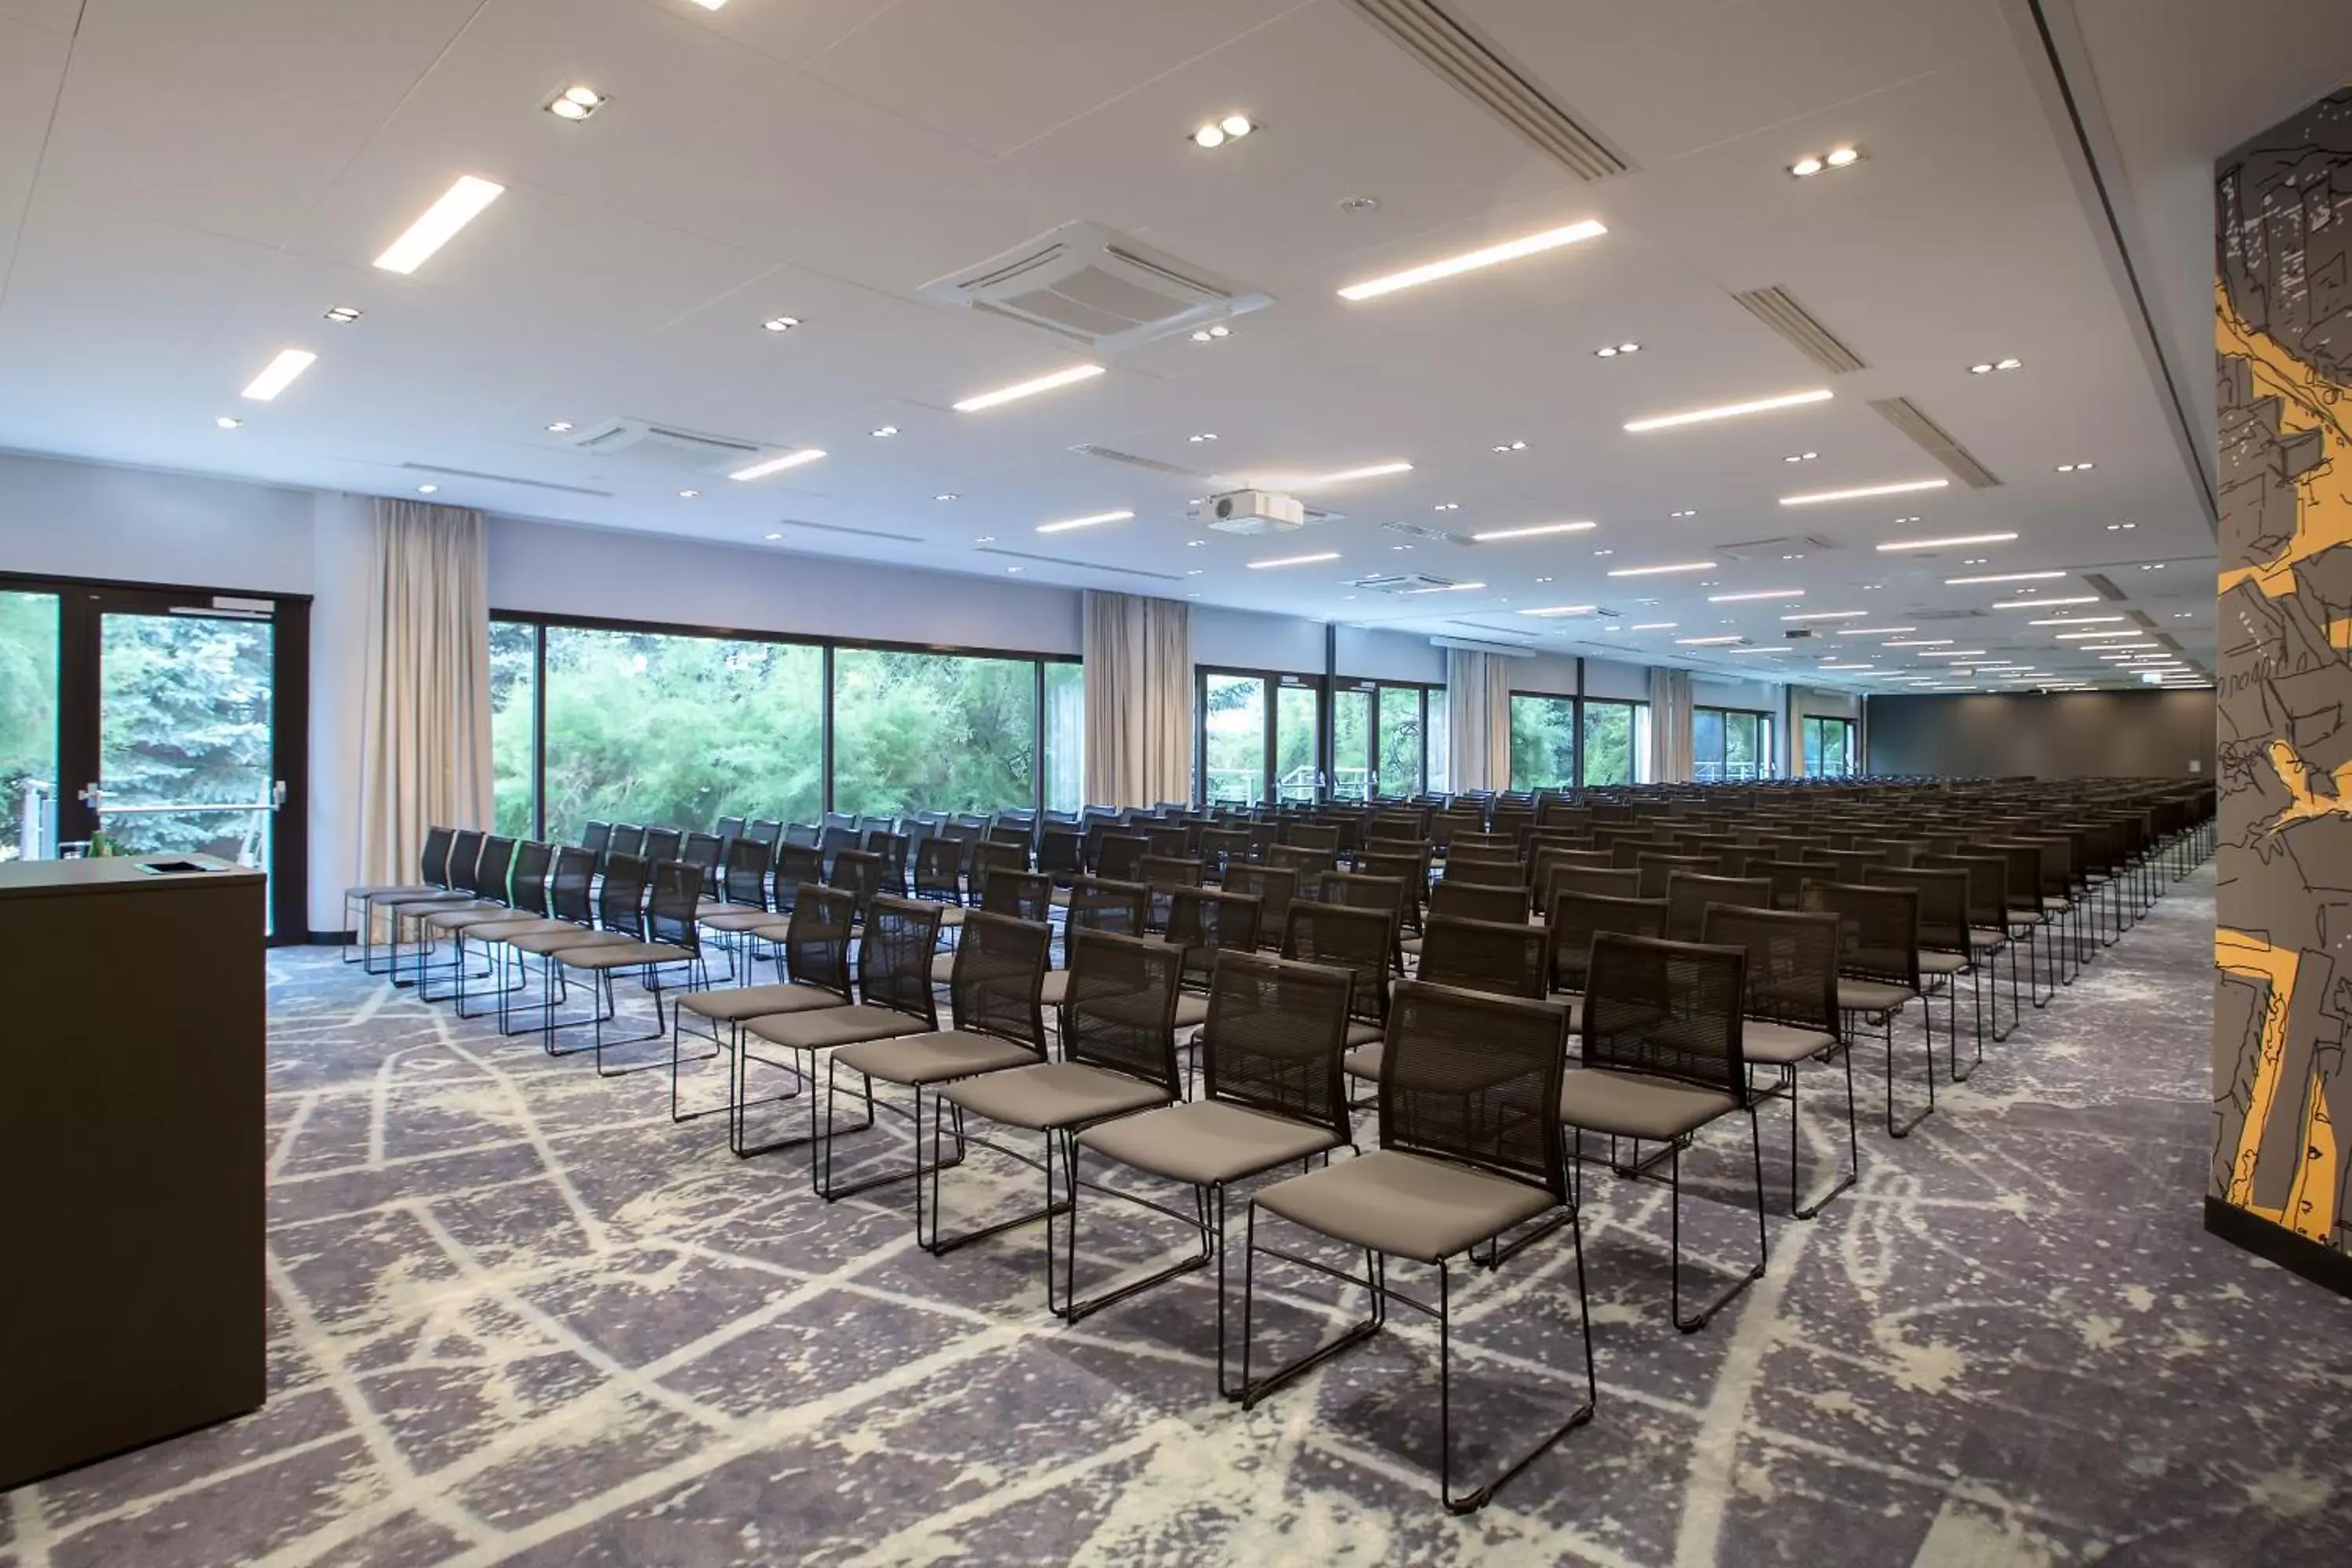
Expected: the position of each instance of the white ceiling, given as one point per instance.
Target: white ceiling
(184, 190)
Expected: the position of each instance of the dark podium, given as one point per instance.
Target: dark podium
(131, 1155)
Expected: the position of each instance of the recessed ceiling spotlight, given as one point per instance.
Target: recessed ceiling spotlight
(1204, 435)
(343, 315)
(1989, 366)
(2075, 468)
(1211, 334)
(2153, 566)
(1805, 168)
(1604, 552)
(945, 495)
(883, 432)
(1227, 128)
(458, 206)
(1195, 572)
(279, 373)
(228, 422)
(984, 538)
(1729, 410)
(577, 103)
(426, 490)
(688, 495)
(781, 323)
(558, 427)
(772, 538)
(1801, 457)
(2121, 527)
(1471, 261)
(1688, 512)
(1400, 547)
(1611, 351)
(2184, 615)
(1447, 506)
(1030, 388)
(1510, 445)
(1194, 544)
(1355, 206)
(1016, 570)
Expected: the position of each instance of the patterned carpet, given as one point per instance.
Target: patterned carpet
(519, 1316)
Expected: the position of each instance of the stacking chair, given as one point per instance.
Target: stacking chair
(1662, 1056)
(568, 913)
(1501, 959)
(797, 866)
(1016, 895)
(1656, 869)
(1223, 849)
(433, 872)
(1507, 870)
(1097, 903)
(662, 938)
(1791, 1017)
(462, 887)
(1408, 864)
(1000, 971)
(812, 948)
(742, 907)
(985, 858)
(1507, 903)
(1273, 887)
(1361, 891)
(527, 900)
(1166, 843)
(493, 903)
(664, 844)
(1119, 856)
(627, 838)
(1878, 972)
(595, 839)
(894, 849)
(1119, 1056)
(1988, 878)
(705, 852)
(859, 871)
(1578, 918)
(1689, 894)
(894, 984)
(1470, 1151)
(727, 828)
(1787, 878)
(1607, 880)
(1313, 836)
(1310, 865)
(939, 876)
(1947, 952)
(1358, 940)
(1061, 855)
(767, 830)
(1270, 1095)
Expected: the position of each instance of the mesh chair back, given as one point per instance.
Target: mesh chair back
(797, 866)
(1223, 848)
(1061, 854)
(1485, 955)
(493, 871)
(837, 837)
(894, 959)
(1988, 882)
(816, 940)
(664, 844)
(1475, 1079)
(1000, 973)
(1119, 1010)
(1312, 835)
(1787, 878)
(670, 908)
(1358, 940)
(1578, 918)
(705, 852)
(990, 855)
(1165, 843)
(593, 838)
(1018, 895)
(729, 828)
(746, 878)
(1204, 921)
(1179, 871)
(1897, 853)
(531, 861)
(860, 871)
(1273, 887)
(1097, 903)
(1119, 856)
(567, 891)
(1688, 893)
(1274, 1037)
(465, 870)
(1610, 881)
(893, 847)
(620, 903)
(1668, 1009)
(806, 833)
(1311, 864)
(1657, 870)
(1791, 962)
(939, 870)
(1507, 870)
(1942, 904)
(1878, 936)
(1474, 901)
(1846, 864)
(625, 840)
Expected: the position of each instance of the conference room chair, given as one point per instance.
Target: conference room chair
(1661, 1058)
(995, 997)
(1097, 903)
(462, 886)
(1061, 854)
(1119, 1056)
(1469, 1151)
(939, 876)
(527, 895)
(1689, 894)
(1502, 958)
(812, 947)
(1273, 888)
(1792, 1019)
(1577, 918)
(359, 915)
(1947, 952)
(1879, 972)
(1656, 869)
(627, 838)
(664, 844)
(1504, 901)
(568, 912)
(1584, 877)
(1362, 890)
(742, 907)
(1312, 835)
(1504, 870)
(1119, 856)
(1989, 934)
(894, 849)
(1358, 941)
(1788, 878)
(707, 852)
(1016, 895)
(1222, 848)
(662, 943)
(1202, 924)
(860, 872)
(494, 901)
(595, 839)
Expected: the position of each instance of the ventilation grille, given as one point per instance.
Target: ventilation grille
(1081, 565)
(856, 533)
(1426, 32)
(643, 443)
(1415, 530)
(1135, 460)
(1779, 310)
(1105, 290)
(504, 479)
(1932, 439)
(1775, 547)
(1401, 583)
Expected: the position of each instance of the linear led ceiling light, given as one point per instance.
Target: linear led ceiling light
(1447, 588)
(1574, 610)
(778, 465)
(1030, 388)
(1758, 594)
(1293, 561)
(2005, 577)
(279, 373)
(1953, 540)
(2094, 636)
(2048, 604)
(1338, 477)
(1089, 520)
(1815, 498)
(1492, 535)
(461, 204)
(1871, 631)
(1655, 570)
(1471, 261)
(1702, 642)
(1918, 642)
(1826, 615)
(1729, 410)
(2074, 620)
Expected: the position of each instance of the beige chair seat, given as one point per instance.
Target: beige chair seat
(1363, 1032)
(1931, 963)
(1406, 1206)
(415, 909)
(1363, 1062)
(774, 929)
(738, 1003)
(1781, 1045)
(1635, 1105)
(621, 956)
(1055, 987)
(1871, 995)
(821, 1028)
(2019, 915)
(1207, 1142)
(1052, 1094)
(716, 908)
(733, 917)
(1412, 944)
(950, 916)
(470, 915)
(2052, 901)
(1192, 1010)
(547, 943)
(944, 968)
(1983, 940)
(389, 890)
(516, 924)
(915, 1059)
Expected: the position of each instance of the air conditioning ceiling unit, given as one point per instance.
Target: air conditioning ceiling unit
(666, 447)
(1403, 583)
(1101, 288)
(1250, 513)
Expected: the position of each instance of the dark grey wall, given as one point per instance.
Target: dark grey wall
(2065, 735)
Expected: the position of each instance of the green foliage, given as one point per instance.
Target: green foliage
(1543, 743)
(1609, 736)
(28, 702)
(185, 718)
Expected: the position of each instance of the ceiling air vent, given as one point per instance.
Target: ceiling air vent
(1776, 547)
(642, 442)
(1104, 290)
(1415, 530)
(855, 532)
(1777, 310)
(1081, 565)
(1401, 583)
(1932, 439)
(504, 479)
(1424, 30)
(1134, 460)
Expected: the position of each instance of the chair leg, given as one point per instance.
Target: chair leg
(1473, 1501)
(1375, 1279)
(1699, 1320)
(1071, 1309)
(1839, 1180)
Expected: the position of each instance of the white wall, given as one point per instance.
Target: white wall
(1615, 680)
(78, 520)
(1371, 655)
(1242, 639)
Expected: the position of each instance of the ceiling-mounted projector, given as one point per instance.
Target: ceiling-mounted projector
(1251, 511)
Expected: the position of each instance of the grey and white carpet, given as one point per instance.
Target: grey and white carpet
(520, 1316)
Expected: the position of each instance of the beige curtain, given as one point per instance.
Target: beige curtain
(424, 728)
(1670, 725)
(1478, 718)
(1138, 733)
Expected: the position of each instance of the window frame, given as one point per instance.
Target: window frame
(1636, 720)
(1275, 682)
(1809, 748)
(1576, 734)
(1765, 767)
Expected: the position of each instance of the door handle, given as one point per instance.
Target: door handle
(276, 794)
(91, 796)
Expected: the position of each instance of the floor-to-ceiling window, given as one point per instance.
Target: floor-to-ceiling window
(1616, 742)
(1257, 734)
(1543, 741)
(1298, 727)
(1829, 747)
(1404, 760)
(28, 723)
(1731, 744)
(679, 727)
(1352, 742)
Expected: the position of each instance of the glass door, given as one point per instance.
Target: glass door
(28, 725)
(1232, 746)
(1351, 743)
(1298, 727)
